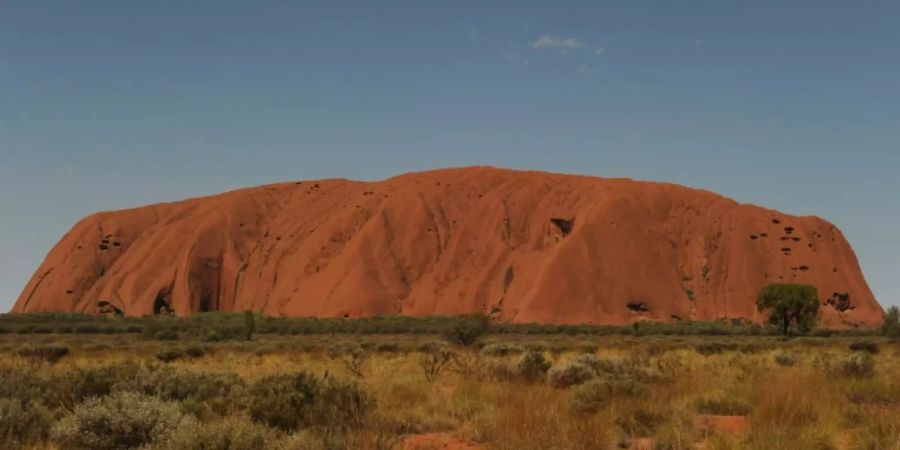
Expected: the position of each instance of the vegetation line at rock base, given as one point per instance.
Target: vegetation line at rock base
(225, 325)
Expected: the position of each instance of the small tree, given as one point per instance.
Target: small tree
(789, 304)
(466, 330)
(249, 324)
(891, 325)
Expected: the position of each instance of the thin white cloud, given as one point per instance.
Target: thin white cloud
(66, 170)
(585, 70)
(557, 43)
(599, 51)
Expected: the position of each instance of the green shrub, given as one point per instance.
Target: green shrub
(23, 423)
(643, 419)
(315, 440)
(50, 353)
(859, 365)
(501, 370)
(26, 383)
(501, 349)
(434, 362)
(466, 330)
(891, 325)
(603, 366)
(589, 397)
(356, 362)
(532, 366)
(298, 400)
(203, 394)
(592, 395)
(170, 354)
(86, 329)
(714, 348)
(166, 335)
(249, 325)
(872, 391)
(195, 351)
(213, 335)
(124, 420)
(569, 374)
(77, 384)
(870, 347)
(788, 304)
(230, 433)
(722, 406)
(387, 347)
(785, 359)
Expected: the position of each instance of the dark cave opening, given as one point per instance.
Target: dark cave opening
(564, 225)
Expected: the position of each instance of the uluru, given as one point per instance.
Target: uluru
(519, 246)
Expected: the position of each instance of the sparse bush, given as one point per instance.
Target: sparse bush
(569, 374)
(231, 433)
(600, 366)
(434, 362)
(643, 419)
(722, 406)
(859, 365)
(314, 440)
(121, 421)
(195, 351)
(166, 335)
(891, 325)
(532, 365)
(76, 385)
(170, 354)
(203, 394)
(785, 359)
(24, 422)
(500, 350)
(294, 401)
(51, 353)
(387, 347)
(249, 325)
(870, 347)
(872, 391)
(714, 348)
(356, 362)
(592, 395)
(342, 349)
(466, 330)
(212, 335)
(501, 370)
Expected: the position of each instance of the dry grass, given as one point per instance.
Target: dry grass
(661, 384)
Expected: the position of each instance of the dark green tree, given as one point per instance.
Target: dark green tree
(788, 304)
(249, 324)
(466, 330)
(891, 325)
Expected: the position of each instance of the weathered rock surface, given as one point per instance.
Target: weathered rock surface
(522, 246)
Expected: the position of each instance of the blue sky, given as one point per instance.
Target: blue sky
(112, 104)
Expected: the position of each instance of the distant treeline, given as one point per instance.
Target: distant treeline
(221, 325)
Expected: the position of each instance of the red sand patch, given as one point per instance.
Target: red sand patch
(731, 425)
(438, 441)
(641, 444)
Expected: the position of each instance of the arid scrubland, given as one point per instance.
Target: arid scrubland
(552, 390)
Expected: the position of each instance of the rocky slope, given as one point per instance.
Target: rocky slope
(522, 246)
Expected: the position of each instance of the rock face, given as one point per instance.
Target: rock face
(520, 246)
